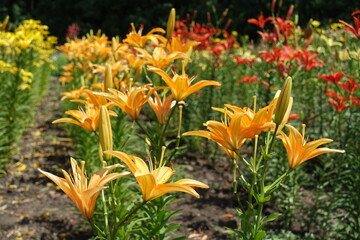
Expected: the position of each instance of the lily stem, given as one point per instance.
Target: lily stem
(132, 212)
(178, 137)
(164, 127)
(106, 219)
(96, 228)
(146, 131)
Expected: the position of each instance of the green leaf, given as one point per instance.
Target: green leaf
(260, 235)
(272, 217)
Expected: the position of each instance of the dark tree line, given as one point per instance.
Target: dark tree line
(114, 17)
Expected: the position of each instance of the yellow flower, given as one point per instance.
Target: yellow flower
(343, 55)
(79, 191)
(330, 41)
(355, 54)
(299, 151)
(153, 182)
(26, 76)
(180, 84)
(130, 102)
(160, 108)
(335, 26)
(160, 58)
(315, 23)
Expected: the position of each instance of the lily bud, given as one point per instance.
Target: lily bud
(105, 133)
(108, 83)
(4, 24)
(283, 102)
(308, 30)
(170, 23)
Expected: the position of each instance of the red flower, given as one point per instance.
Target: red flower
(284, 27)
(240, 60)
(350, 86)
(268, 37)
(334, 78)
(293, 116)
(355, 101)
(247, 79)
(281, 57)
(337, 101)
(355, 30)
(205, 35)
(267, 84)
(260, 21)
(72, 31)
(309, 61)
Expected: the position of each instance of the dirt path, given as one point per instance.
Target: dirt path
(30, 206)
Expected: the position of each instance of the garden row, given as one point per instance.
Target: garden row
(140, 102)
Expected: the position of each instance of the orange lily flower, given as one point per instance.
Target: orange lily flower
(74, 94)
(116, 67)
(152, 182)
(160, 108)
(255, 123)
(130, 102)
(240, 124)
(134, 61)
(88, 119)
(299, 151)
(84, 195)
(177, 45)
(228, 136)
(97, 100)
(160, 58)
(136, 39)
(180, 84)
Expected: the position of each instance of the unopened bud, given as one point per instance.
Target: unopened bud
(290, 12)
(308, 30)
(283, 101)
(147, 141)
(188, 55)
(108, 83)
(105, 133)
(170, 23)
(273, 3)
(4, 24)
